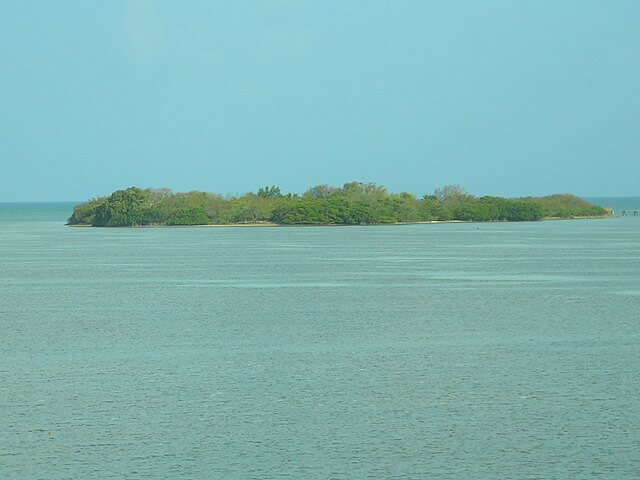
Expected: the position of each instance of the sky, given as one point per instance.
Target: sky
(502, 97)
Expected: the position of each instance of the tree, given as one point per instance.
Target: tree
(85, 213)
(321, 191)
(124, 208)
(449, 191)
(269, 192)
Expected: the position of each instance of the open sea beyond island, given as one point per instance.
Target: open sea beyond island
(454, 350)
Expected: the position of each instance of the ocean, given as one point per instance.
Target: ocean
(462, 350)
(617, 203)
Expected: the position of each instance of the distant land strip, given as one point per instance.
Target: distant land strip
(354, 203)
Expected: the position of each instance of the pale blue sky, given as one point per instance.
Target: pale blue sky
(502, 97)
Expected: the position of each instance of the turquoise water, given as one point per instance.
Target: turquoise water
(420, 351)
(35, 212)
(617, 203)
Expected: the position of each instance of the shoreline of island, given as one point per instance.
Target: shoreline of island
(271, 224)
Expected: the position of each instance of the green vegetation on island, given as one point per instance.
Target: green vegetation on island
(353, 204)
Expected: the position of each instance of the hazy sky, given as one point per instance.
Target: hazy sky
(503, 97)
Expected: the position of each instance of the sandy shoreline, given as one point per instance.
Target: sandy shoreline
(271, 224)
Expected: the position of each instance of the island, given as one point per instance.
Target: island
(354, 203)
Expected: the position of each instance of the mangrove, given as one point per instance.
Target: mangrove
(354, 203)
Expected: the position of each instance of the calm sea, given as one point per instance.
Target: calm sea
(617, 203)
(405, 352)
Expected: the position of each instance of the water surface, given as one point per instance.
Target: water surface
(422, 351)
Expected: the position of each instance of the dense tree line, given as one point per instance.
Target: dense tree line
(353, 204)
